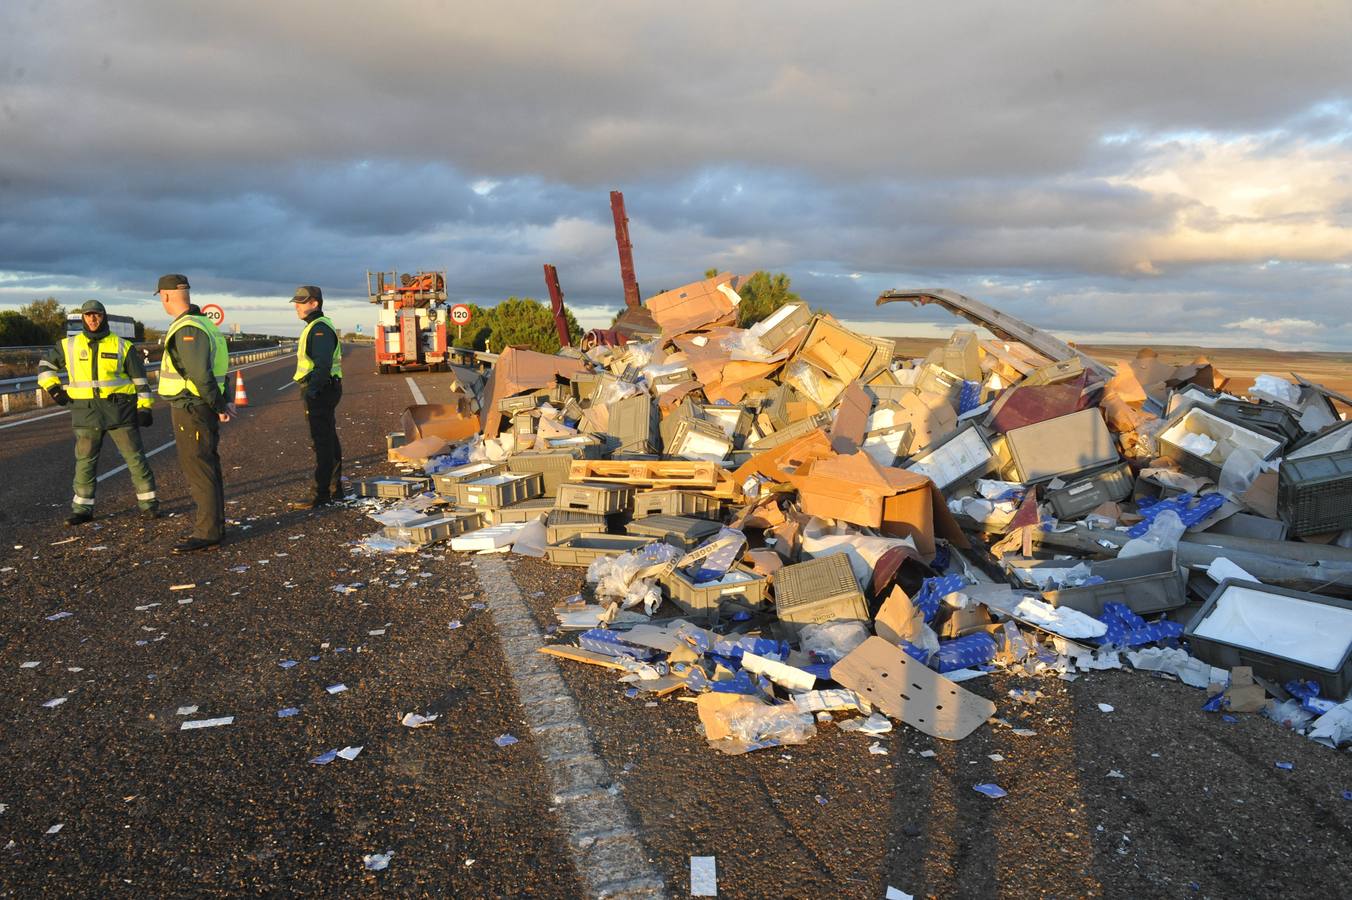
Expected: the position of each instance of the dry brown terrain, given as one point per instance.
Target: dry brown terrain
(1332, 370)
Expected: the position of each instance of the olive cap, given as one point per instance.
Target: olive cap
(308, 292)
(93, 306)
(172, 282)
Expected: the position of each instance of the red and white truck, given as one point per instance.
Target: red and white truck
(411, 324)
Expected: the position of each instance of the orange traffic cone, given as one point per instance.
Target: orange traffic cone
(241, 398)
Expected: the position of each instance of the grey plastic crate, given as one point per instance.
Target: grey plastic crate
(739, 586)
(1055, 372)
(1200, 420)
(819, 590)
(563, 524)
(1263, 415)
(518, 404)
(792, 432)
(691, 434)
(583, 549)
(677, 503)
(594, 497)
(775, 407)
(525, 511)
(430, 529)
(1066, 445)
(1149, 583)
(633, 422)
(963, 456)
(1091, 490)
(394, 488)
(684, 410)
(498, 491)
(1314, 493)
(734, 420)
(936, 379)
(684, 531)
(1334, 682)
(781, 325)
(444, 482)
(551, 465)
(523, 427)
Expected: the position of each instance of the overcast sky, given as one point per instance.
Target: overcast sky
(1173, 172)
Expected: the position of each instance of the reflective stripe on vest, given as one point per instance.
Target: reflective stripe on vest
(305, 365)
(92, 374)
(172, 382)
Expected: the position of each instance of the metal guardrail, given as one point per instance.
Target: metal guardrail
(10, 387)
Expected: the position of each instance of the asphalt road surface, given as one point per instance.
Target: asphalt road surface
(104, 794)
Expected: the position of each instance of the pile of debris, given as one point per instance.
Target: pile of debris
(788, 521)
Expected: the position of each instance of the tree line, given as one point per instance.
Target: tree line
(41, 322)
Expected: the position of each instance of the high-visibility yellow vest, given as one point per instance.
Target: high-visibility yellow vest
(172, 382)
(305, 365)
(95, 369)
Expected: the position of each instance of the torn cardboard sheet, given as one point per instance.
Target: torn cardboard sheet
(909, 691)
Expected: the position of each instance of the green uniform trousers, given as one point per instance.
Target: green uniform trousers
(127, 439)
(197, 436)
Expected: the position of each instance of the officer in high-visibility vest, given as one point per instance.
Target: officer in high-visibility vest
(192, 379)
(319, 371)
(107, 394)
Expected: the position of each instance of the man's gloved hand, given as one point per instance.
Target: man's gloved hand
(144, 418)
(59, 394)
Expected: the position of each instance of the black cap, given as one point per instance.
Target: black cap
(308, 292)
(93, 306)
(172, 282)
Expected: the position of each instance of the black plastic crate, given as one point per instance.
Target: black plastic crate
(1088, 492)
(1262, 415)
(1314, 493)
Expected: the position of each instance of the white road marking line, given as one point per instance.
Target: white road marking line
(598, 826)
(36, 419)
(149, 453)
(418, 397)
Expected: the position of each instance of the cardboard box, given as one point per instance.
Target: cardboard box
(835, 350)
(451, 422)
(695, 305)
(517, 371)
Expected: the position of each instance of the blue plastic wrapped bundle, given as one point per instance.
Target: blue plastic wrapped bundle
(934, 590)
(729, 652)
(969, 398)
(920, 654)
(600, 640)
(741, 683)
(695, 638)
(1191, 509)
(1126, 629)
(964, 652)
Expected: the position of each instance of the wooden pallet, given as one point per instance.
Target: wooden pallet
(676, 473)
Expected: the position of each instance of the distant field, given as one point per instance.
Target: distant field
(1333, 370)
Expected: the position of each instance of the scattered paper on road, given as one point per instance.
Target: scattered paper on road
(413, 720)
(703, 876)
(208, 723)
(377, 862)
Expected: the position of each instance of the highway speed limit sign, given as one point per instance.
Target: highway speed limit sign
(214, 313)
(461, 314)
